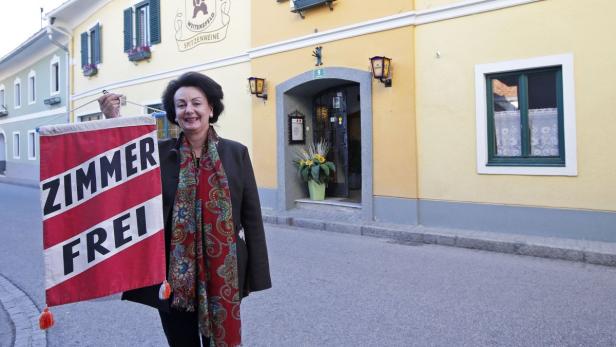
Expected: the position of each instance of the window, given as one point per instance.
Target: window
(142, 32)
(16, 145)
(31, 145)
(165, 128)
(525, 117)
(146, 30)
(89, 117)
(3, 109)
(91, 47)
(17, 88)
(31, 87)
(54, 73)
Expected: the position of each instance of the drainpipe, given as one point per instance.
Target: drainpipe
(50, 30)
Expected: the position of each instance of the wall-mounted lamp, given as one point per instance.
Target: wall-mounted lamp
(257, 86)
(381, 69)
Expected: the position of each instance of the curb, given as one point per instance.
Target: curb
(591, 252)
(17, 182)
(23, 313)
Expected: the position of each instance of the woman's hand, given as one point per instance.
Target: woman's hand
(109, 104)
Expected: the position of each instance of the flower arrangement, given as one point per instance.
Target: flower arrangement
(312, 165)
(89, 69)
(139, 53)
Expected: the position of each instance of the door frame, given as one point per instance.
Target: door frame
(287, 191)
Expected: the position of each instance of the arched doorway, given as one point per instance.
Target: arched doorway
(337, 106)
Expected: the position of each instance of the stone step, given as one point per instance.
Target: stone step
(333, 209)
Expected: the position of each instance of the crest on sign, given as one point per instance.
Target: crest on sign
(201, 21)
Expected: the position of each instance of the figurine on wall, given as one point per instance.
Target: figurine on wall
(317, 54)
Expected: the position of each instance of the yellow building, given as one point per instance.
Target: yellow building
(495, 115)
(496, 118)
(135, 48)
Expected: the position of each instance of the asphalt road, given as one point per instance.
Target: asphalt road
(345, 290)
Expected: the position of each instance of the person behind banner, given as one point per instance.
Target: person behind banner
(214, 238)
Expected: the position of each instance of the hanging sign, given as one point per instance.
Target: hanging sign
(102, 208)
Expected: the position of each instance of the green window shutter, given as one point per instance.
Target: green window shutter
(97, 43)
(154, 21)
(128, 29)
(84, 49)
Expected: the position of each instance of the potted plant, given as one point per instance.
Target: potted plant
(314, 169)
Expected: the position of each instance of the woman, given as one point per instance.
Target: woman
(214, 237)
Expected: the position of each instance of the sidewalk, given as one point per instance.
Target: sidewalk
(19, 320)
(592, 252)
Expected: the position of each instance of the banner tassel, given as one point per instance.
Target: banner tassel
(46, 320)
(165, 291)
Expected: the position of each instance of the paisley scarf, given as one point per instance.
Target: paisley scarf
(203, 260)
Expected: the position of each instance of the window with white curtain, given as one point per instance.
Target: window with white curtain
(31, 145)
(526, 116)
(31, 87)
(17, 94)
(2, 101)
(54, 75)
(16, 149)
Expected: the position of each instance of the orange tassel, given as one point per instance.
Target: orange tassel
(46, 319)
(165, 291)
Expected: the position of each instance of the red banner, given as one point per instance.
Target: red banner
(102, 208)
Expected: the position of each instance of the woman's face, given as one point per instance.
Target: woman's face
(192, 110)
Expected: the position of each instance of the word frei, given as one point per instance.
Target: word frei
(103, 240)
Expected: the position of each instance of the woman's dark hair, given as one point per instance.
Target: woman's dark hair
(209, 87)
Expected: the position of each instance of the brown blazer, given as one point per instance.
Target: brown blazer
(253, 265)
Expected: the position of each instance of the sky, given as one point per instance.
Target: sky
(20, 19)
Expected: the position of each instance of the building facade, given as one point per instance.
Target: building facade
(493, 117)
(135, 48)
(33, 92)
(493, 120)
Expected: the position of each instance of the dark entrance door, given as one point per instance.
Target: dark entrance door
(331, 122)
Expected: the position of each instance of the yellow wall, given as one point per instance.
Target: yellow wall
(166, 56)
(394, 148)
(446, 102)
(272, 21)
(115, 67)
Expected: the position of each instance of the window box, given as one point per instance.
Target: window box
(139, 53)
(89, 70)
(52, 101)
(3, 111)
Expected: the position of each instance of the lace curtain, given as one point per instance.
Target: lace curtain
(543, 124)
